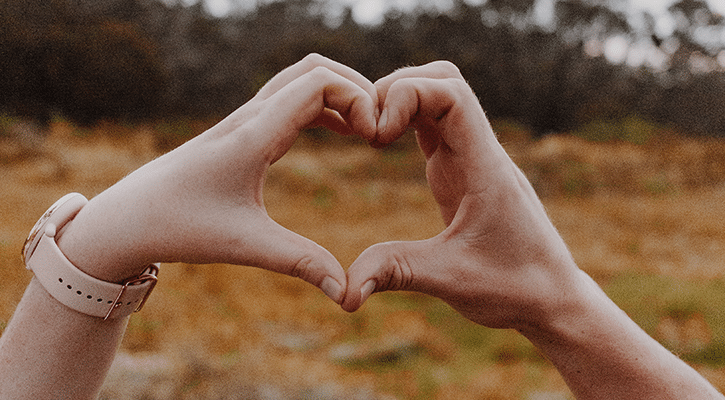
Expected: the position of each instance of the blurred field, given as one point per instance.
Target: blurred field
(646, 221)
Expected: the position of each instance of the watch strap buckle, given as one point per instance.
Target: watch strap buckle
(148, 276)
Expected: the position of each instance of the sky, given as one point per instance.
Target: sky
(372, 11)
(615, 49)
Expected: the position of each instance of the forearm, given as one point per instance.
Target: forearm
(50, 351)
(603, 354)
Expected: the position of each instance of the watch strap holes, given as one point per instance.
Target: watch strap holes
(80, 293)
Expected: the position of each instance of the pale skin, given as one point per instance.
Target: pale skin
(500, 261)
(201, 203)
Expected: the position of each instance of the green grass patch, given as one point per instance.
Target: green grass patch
(631, 129)
(669, 309)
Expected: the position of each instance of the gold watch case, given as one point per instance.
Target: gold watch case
(59, 214)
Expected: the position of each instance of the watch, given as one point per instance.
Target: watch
(68, 284)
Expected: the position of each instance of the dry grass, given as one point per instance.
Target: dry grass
(638, 218)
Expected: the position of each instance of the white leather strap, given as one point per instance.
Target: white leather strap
(82, 292)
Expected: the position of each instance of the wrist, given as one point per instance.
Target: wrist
(576, 301)
(100, 243)
(95, 295)
(602, 354)
(587, 328)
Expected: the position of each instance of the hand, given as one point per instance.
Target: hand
(202, 203)
(499, 262)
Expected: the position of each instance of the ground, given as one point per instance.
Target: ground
(644, 220)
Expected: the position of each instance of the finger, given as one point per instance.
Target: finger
(309, 63)
(304, 101)
(425, 102)
(388, 266)
(449, 122)
(333, 121)
(280, 250)
(433, 70)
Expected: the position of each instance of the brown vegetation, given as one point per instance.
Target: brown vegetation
(221, 331)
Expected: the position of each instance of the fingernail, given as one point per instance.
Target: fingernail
(331, 289)
(366, 290)
(383, 121)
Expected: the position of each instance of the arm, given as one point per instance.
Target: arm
(201, 203)
(500, 261)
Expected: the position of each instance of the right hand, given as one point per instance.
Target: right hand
(500, 261)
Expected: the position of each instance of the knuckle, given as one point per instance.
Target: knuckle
(320, 75)
(302, 268)
(459, 91)
(313, 60)
(320, 70)
(447, 69)
(404, 90)
(402, 272)
(397, 273)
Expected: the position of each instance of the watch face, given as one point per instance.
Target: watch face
(59, 213)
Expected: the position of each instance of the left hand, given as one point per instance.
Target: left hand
(202, 203)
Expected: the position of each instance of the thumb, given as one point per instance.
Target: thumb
(278, 249)
(387, 266)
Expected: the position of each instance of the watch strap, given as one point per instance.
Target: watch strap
(82, 292)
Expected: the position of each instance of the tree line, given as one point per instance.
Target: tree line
(143, 59)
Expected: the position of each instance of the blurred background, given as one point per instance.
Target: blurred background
(551, 65)
(614, 109)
